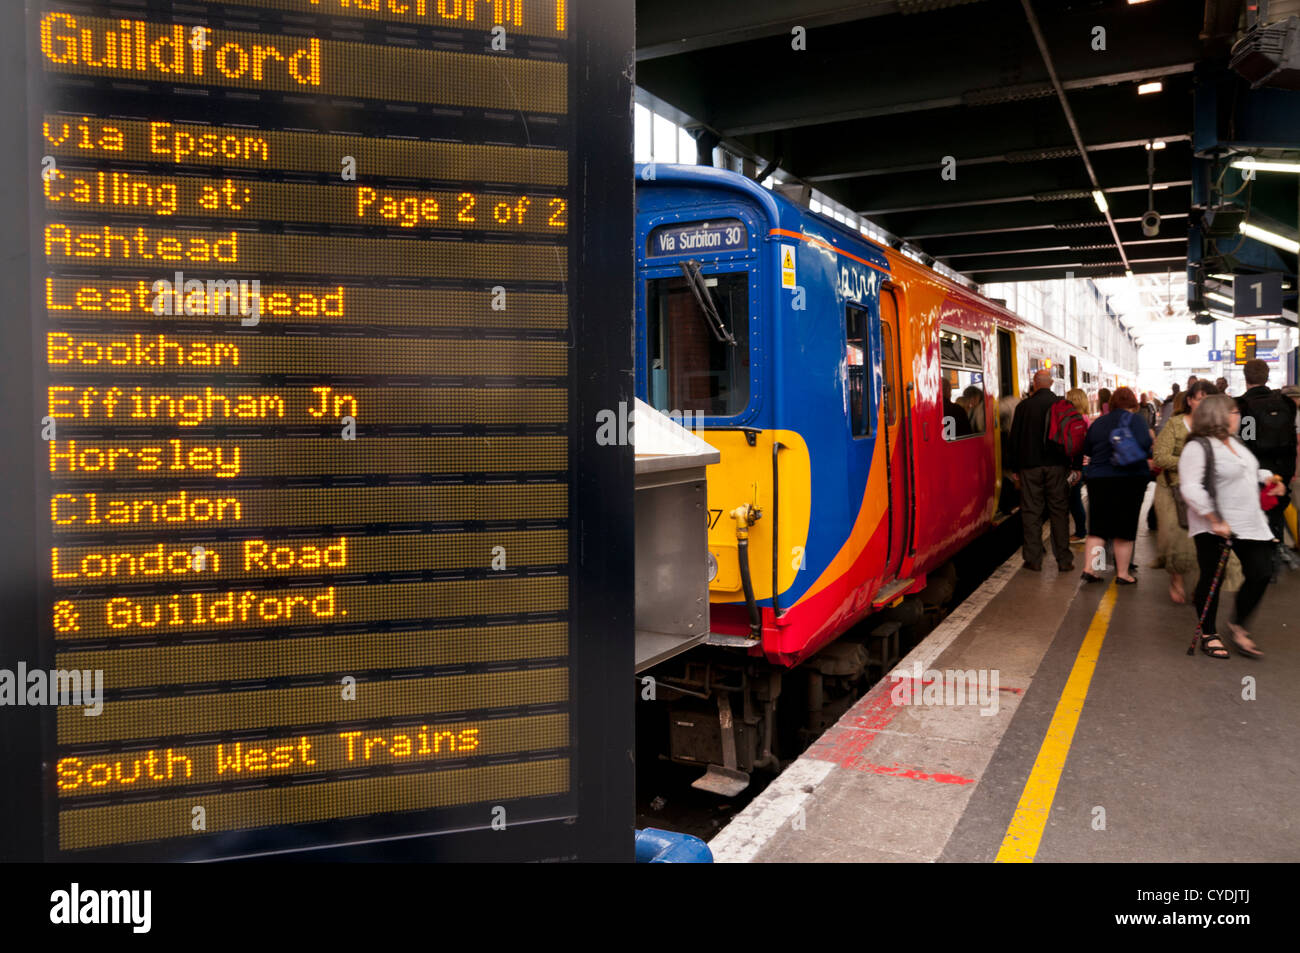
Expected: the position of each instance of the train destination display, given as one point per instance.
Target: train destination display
(306, 493)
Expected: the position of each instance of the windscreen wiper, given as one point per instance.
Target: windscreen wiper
(691, 269)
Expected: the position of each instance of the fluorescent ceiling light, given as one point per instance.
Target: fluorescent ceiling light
(1270, 238)
(1214, 295)
(1221, 277)
(1158, 144)
(1265, 165)
(1128, 273)
(1100, 199)
(1153, 87)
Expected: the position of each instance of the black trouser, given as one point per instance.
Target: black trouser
(1077, 512)
(1256, 556)
(1277, 516)
(1044, 490)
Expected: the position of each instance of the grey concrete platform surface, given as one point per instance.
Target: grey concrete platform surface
(1174, 758)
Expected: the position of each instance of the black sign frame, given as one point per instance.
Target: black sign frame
(600, 291)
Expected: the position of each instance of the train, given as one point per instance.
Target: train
(853, 396)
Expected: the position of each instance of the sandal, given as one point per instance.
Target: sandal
(1213, 651)
(1089, 577)
(1238, 633)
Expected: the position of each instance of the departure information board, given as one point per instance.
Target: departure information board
(311, 381)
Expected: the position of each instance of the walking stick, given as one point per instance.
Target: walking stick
(1214, 587)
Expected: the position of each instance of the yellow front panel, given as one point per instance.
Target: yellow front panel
(744, 475)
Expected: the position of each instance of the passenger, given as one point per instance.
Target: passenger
(1292, 391)
(1103, 401)
(957, 414)
(1040, 471)
(972, 398)
(1115, 489)
(1155, 409)
(1272, 439)
(1177, 550)
(1077, 512)
(1221, 385)
(1228, 509)
(1167, 408)
(1150, 412)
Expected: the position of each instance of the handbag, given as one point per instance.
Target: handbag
(1180, 505)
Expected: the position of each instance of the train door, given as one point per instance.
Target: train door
(893, 420)
(1006, 365)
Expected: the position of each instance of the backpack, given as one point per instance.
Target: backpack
(1274, 423)
(1065, 428)
(1124, 449)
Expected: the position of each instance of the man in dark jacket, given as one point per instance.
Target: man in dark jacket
(1041, 472)
(1268, 430)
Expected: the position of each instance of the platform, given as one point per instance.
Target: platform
(1108, 743)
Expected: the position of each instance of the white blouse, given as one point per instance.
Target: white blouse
(1237, 479)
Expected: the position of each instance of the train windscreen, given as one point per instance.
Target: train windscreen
(698, 343)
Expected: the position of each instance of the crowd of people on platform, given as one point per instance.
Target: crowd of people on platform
(1225, 493)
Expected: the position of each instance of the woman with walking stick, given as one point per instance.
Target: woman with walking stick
(1220, 481)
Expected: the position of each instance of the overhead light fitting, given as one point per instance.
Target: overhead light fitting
(1265, 165)
(1269, 55)
(1215, 296)
(1270, 238)
(1221, 277)
(1153, 87)
(1100, 199)
(1220, 221)
(1158, 144)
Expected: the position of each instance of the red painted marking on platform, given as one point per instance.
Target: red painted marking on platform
(845, 741)
(897, 770)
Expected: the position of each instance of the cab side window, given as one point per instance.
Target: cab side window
(961, 364)
(855, 359)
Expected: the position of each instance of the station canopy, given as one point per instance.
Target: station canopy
(979, 132)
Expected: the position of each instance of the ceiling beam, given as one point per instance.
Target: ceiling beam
(957, 246)
(1065, 215)
(1110, 118)
(1035, 181)
(674, 27)
(1111, 270)
(892, 65)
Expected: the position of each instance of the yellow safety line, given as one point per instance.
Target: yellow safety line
(1020, 844)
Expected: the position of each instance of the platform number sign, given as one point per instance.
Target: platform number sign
(1257, 295)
